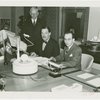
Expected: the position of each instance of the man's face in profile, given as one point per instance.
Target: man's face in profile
(34, 13)
(45, 34)
(68, 39)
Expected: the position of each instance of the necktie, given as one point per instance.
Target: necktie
(66, 51)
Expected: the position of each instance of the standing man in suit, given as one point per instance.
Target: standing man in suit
(70, 57)
(49, 47)
(31, 30)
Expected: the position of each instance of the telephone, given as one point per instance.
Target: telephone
(55, 69)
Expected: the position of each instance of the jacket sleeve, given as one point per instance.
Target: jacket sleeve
(56, 50)
(23, 30)
(75, 60)
(60, 57)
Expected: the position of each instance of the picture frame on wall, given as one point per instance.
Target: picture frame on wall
(4, 24)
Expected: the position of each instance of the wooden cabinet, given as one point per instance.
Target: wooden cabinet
(87, 48)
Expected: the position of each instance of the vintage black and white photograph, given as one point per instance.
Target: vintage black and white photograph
(53, 49)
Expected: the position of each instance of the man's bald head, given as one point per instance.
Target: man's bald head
(34, 12)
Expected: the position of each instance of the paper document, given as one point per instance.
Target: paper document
(9, 33)
(41, 60)
(94, 82)
(13, 41)
(3, 35)
(85, 75)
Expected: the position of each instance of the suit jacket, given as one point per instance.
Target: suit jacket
(51, 49)
(34, 31)
(70, 58)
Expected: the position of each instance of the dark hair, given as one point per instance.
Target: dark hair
(44, 27)
(69, 32)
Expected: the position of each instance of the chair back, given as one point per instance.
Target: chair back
(86, 62)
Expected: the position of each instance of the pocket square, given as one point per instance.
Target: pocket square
(71, 55)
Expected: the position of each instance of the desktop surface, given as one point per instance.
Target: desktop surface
(86, 78)
(40, 81)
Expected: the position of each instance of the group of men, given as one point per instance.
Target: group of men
(39, 35)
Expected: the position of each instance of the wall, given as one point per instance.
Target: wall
(5, 13)
(19, 12)
(94, 22)
(13, 14)
(52, 20)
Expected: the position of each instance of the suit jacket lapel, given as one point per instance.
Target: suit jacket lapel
(30, 21)
(70, 50)
(37, 21)
(48, 44)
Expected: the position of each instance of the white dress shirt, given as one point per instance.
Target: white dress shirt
(34, 20)
(43, 46)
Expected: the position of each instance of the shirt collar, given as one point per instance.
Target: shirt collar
(70, 46)
(47, 41)
(34, 20)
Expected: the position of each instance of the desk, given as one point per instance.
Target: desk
(84, 81)
(40, 81)
(92, 48)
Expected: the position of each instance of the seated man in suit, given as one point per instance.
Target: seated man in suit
(70, 57)
(49, 47)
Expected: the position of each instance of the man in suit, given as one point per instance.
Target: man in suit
(70, 57)
(31, 30)
(49, 47)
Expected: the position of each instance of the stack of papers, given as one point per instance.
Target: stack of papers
(4, 34)
(41, 60)
(85, 75)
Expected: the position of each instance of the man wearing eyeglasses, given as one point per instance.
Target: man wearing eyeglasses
(70, 57)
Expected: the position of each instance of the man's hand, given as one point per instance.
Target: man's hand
(52, 59)
(33, 54)
(62, 66)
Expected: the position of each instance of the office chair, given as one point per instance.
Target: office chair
(86, 62)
